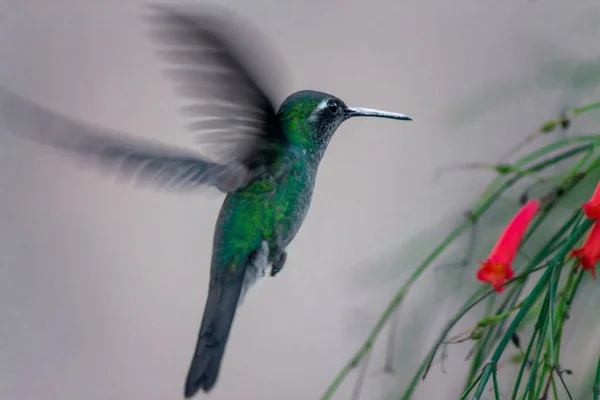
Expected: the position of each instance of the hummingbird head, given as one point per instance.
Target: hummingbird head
(310, 118)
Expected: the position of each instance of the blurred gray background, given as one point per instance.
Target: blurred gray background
(102, 285)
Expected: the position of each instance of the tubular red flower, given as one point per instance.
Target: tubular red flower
(497, 269)
(592, 207)
(589, 253)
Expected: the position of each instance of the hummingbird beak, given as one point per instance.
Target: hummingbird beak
(369, 112)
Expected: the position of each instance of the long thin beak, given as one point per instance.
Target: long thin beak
(369, 112)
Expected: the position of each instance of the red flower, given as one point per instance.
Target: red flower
(497, 268)
(589, 253)
(592, 207)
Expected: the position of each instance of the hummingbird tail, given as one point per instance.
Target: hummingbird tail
(221, 305)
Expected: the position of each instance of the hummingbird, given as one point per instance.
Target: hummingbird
(269, 157)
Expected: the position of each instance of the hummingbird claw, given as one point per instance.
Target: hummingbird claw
(278, 264)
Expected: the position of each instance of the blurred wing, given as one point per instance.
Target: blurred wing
(146, 162)
(232, 110)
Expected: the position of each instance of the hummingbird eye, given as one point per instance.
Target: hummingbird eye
(333, 107)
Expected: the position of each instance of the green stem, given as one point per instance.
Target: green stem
(543, 321)
(515, 293)
(390, 309)
(470, 388)
(487, 371)
(425, 365)
(569, 183)
(584, 109)
(551, 299)
(484, 205)
(472, 302)
(481, 343)
(554, 390)
(530, 300)
(525, 362)
(495, 380)
(596, 389)
(594, 140)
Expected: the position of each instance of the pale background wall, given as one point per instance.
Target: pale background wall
(102, 285)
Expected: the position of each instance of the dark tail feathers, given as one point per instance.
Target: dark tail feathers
(221, 305)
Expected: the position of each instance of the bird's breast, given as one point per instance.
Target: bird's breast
(268, 208)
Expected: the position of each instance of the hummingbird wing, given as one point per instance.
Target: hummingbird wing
(231, 109)
(211, 64)
(146, 162)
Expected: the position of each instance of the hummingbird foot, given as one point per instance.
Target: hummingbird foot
(278, 263)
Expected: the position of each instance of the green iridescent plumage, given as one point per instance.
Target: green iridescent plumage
(268, 167)
(273, 206)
